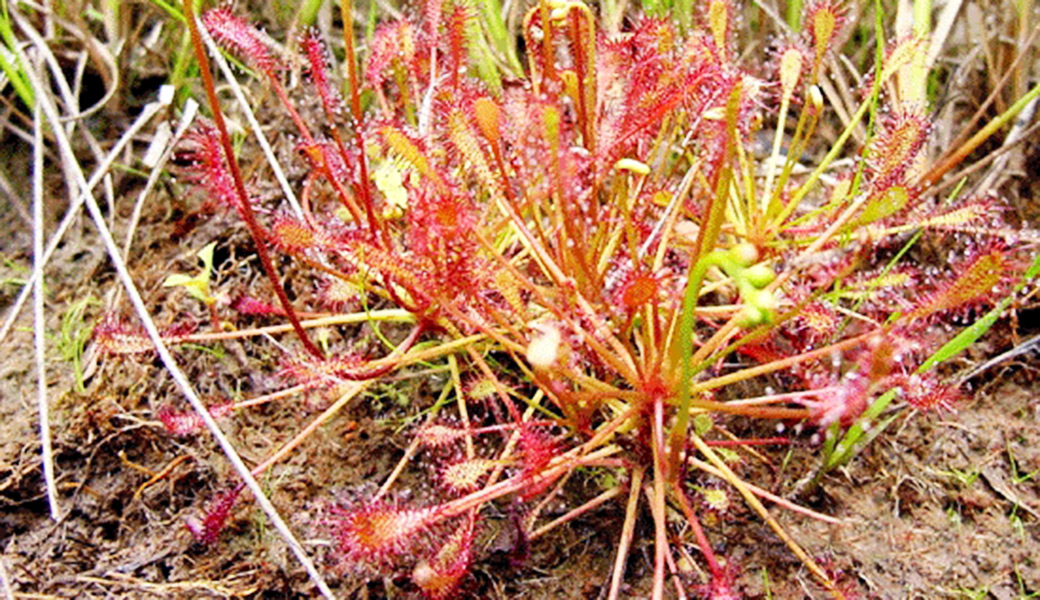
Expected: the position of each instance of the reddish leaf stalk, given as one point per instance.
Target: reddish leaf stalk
(347, 12)
(255, 231)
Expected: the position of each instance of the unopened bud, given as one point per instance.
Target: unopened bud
(759, 275)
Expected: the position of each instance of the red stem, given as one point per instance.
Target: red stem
(346, 6)
(246, 209)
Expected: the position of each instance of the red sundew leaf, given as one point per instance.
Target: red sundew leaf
(439, 578)
(458, 40)
(538, 448)
(925, 393)
(310, 371)
(392, 42)
(432, 16)
(465, 475)
(180, 423)
(201, 148)
(248, 305)
(437, 435)
(208, 529)
(824, 20)
(374, 535)
(339, 295)
(976, 283)
(818, 322)
(842, 404)
(113, 336)
(896, 147)
(237, 35)
(297, 237)
(318, 60)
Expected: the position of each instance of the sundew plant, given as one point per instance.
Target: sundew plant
(627, 245)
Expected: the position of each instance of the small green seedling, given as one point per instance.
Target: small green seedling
(198, 285)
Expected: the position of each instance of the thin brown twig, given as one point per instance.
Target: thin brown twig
(627, 532)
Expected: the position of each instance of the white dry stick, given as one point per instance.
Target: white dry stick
(153, 332)
(191, 109)
(146, 115)
(942, 30)
(999, 170)
(240, 96)
(39, 339)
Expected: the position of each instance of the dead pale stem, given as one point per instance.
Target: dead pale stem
(39, 318)
(460, 402)
(596, 502)
(5, 580)
(730, 477)
(778, 500)
(999, 87)
(245, 207)
(296, 389)
(627, 531)
(976, 140)
(128, 584)
(346, 319)
(116, 152)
